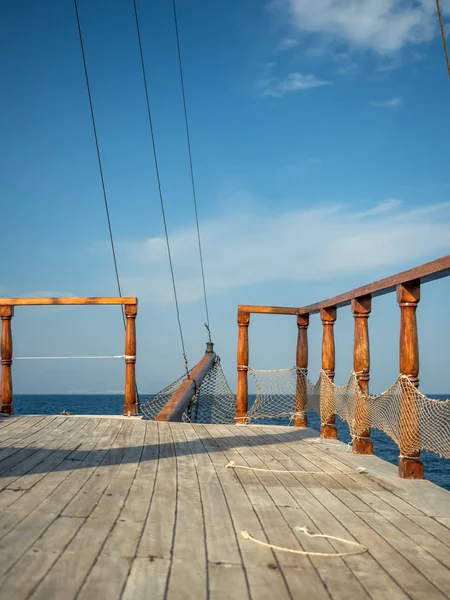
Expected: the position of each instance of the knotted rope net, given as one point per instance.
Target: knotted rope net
(414, 421)
(213, 402)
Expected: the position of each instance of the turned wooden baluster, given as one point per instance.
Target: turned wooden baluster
(6, 314)
(301, 420)
(408, 297)
(130, 404)
(242, 368)
(361, 307)
(328, 316)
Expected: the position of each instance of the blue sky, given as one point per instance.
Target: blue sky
(320, 146)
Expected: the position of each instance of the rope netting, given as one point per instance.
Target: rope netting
(414, 421)
(213, 402)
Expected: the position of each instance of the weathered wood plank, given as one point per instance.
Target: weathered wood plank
(326, 570)
(71, 571)
(148, 579)
(158, 534)
(187, 577)
(27, 573)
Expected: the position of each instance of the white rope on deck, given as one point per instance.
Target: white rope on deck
(304, 530)
(68, 357)
(233, 465)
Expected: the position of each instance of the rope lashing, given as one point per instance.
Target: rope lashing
(125, 356)
(233, 465)
(304, 530)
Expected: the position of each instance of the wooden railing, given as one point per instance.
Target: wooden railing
(407, 286)
(182, 397)
(7, 312)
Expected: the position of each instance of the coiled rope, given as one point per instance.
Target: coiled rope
(304, 530)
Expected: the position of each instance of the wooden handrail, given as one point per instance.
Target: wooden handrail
(7, 312)
(67, 301)
(175, 407)
(407, 285)
(436, 269)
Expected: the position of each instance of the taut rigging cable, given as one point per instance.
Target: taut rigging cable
(100, 166)
(158, 178)
(188, 139)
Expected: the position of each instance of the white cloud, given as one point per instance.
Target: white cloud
(391, 103)
(260, 247)
(385, 206)
(384, 26)
(287, 44)
(277, 87)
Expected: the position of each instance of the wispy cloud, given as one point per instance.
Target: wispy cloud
(391, 103)
(278, 87)
(287, 44)
(349, 69)
(263, 247)
(384, 26)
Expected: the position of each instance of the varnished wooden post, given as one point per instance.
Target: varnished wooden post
(301, 420)
(361, 307)
(6, 314)
(130, 404)
(408, 297)
(242, 368)
(328, 316)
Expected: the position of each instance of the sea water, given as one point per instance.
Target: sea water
(436, 469)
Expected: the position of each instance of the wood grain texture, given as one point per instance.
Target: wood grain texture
(301, 420)
(361, 308)
(242, 367)
(6, 314)
(436, 269)
(124, 508)
(175, 407)
(67, 301)
(408, 298)
(328, 317)
(130, 400)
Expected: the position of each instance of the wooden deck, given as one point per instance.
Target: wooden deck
(113, 508)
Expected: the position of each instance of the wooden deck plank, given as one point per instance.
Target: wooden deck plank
(28, 572)
(14, 455)
(147, 579)
(122, 508)
(261, 564)
(50, 443)
(34, 496)
(187, 576)
(158, 534)
(109, 572)
(397, 565)
(121, 544)
(70, 572)
(22, 484)
(30, 526)
(327, 570)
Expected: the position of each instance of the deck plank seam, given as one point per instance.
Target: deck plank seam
(46, 528)
(279, 477)
(130, 436)
(275, 557)
(383, 501)
(217, 449)
(41, 501)
(392, 547)
(147, 428)
(242, 563)
(346, 560)
(203, 512)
